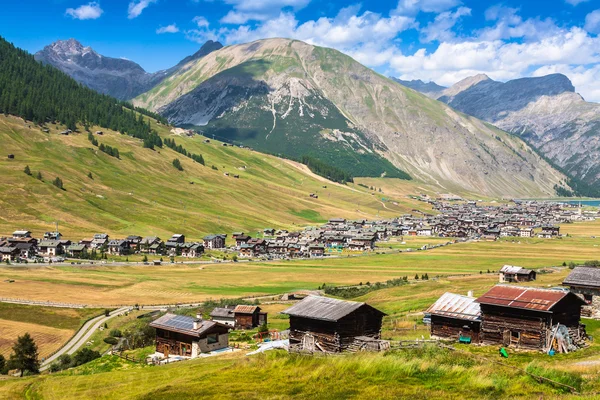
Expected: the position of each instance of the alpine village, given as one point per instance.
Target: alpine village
(302, 217)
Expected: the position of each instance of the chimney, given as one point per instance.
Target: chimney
(199, 316)
(470, 293)
(197, 323)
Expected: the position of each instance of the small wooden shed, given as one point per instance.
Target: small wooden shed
(322, 324)
(455, 317)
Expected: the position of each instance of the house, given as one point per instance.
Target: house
(118, 247)
(100, 241)
(177, 238)
(248, 317)
(134, 243)
(151, 245)
(223, 315)
(526, 317)
(27, 250)
(185, 336)
(455, 317)
(21, 234)
(248, 250)
(192, 250)
(337, 221)
(241, 240)
(50, 248)
(525, 232)
(52, 236)
(214, 241)
(584, 281)
(510, 273)
(549, 231)
(316, 250)
(76, 250)
(329, 325)
(8, 253)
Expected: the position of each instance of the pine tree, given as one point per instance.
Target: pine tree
(25, 355)
(90, 175)
(58, 183)
(177, 164)
(27, 170)
(39, 176)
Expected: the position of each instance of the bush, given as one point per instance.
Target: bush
(55, 367)
(84, 355)
(116, 333)
(106, 312)
(111, 340)
(177, 164)
(27, 170)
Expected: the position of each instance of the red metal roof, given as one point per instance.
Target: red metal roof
(522, 297)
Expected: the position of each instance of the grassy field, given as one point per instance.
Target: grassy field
(51, 327)
(142, 193)
(106, 285)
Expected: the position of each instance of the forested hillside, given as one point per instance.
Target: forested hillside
(43, 94)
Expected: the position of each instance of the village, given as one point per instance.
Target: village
(455, 220)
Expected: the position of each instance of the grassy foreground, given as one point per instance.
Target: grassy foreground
(428, 373)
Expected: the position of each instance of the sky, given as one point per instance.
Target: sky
(433, 40)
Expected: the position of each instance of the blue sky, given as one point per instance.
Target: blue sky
(440, 40)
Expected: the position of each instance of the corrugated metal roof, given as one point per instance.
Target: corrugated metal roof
(456, 306)
(221, 312)
(522, 297)
(243, 309)
(182, 324)
(510, 269)
(584, 276)
(324, 308)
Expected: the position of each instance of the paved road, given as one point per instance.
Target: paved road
(82, 336)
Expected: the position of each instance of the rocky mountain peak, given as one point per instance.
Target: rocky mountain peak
(68, 48)
(206, 49)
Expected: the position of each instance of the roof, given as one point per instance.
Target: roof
(76, 247)
(511, 269)
(583, 276)
(243, 309)
(456, 306)
(221, 312)
(49, 243)
(324, 308)
(183, 324)
(524, 297)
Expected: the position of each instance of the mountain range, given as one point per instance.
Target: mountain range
(544, 111)
(288, 97)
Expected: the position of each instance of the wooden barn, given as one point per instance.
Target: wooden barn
(248, 317)
(526, 317)
(455, 317)
(511, 273)
(322, 324)
(185, 336)
(584, 281)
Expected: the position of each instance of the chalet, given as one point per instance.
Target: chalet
(214, 241)
(525, 232)
(151, 245)
(337, 221)
(100, 241)
(510, 273)
(455, 317)
(223, 315)
(177, 238)
(316, 250)
(75, 250)
(424, 231)
(549, 232)
(241, 239)
(248, 250)
(356, 246)
(52, 236)
(27, 250)
(584, 281)
(134, 242)
(118, 247)
(527, 317)
(8, 253)
(50, 248)
(328, 325)
(269, 232)
(192, 250)
(174, 244)
(248, 317)
(509, 230)
(179, 335)
(21, 234)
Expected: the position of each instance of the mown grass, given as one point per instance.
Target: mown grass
(61, 318)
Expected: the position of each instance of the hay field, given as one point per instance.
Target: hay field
(47, 338)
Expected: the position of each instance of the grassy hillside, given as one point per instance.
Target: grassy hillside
(142, 193)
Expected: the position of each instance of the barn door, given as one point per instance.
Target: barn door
(506, 338)
(308, 343)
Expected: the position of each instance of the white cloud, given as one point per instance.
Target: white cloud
(585, 80)
(413, 7)
(510, 25)
(441, 27)
(258, 10)
(168, 29)
(202, 33)
(575, 2)
(592, 22)
(87, 11)
(201, 22)
(137, 6)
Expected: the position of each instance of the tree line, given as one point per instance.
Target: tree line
(43, 94)
(170, 143)
(325, 170)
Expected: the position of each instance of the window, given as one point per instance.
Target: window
(212, 338)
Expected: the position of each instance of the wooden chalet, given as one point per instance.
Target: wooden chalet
(511, 273)
(455, 317)
(322, 324)
(248, 317)
(526, 317)
(214, 241)
(185, 336)
(223, 315)
(585, 281)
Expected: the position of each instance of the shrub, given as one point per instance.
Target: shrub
(27, 170)
(116, 333)
(111, 340)
(177, 164)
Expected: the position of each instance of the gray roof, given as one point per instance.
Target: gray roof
(49, 243)
(324, 308)
(456, 306)
(583, 276)
(183, 324)
(221, 312)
